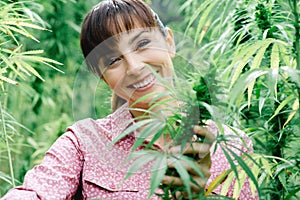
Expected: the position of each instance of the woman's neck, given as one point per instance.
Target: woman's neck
(157, 110)
(142, 111)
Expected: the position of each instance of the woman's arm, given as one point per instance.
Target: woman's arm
(57, 177)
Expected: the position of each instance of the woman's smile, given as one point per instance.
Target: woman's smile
(144, 83)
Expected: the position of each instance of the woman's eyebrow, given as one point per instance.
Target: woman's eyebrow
(137, 36)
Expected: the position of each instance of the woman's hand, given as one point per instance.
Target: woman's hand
(200, 151)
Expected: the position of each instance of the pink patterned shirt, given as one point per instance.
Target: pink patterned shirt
(83, 163)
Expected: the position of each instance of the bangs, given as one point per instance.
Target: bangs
(114, 17)
(126, 18)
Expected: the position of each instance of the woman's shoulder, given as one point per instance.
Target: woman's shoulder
(109, 126)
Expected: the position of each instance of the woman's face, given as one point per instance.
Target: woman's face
(138, 54)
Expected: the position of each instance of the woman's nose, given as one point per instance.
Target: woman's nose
(134, 66)
(135, 69)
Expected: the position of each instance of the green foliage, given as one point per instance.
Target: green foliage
(256, 58)
(15, 61)
(203, 97)
(263, 98)
(18, 66)
(244, 55)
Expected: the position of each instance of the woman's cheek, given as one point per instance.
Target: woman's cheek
(112, 78)
(115, 84)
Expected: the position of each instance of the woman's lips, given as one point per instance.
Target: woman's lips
(144, 84)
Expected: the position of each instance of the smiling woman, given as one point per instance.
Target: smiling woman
(129, 70)
(126, 45)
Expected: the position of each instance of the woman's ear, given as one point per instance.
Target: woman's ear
(170, 42)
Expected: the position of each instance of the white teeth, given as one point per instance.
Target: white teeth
(144, 83)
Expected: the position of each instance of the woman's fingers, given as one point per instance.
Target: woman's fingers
(176, 181)
(195, 148)
(203, 132)
(204, 165)
(200, 151)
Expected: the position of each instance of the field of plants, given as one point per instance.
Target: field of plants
(246, 53)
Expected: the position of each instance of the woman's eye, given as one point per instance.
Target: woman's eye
(142, 43)
(111, 61)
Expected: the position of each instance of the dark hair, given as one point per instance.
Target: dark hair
(109, 18)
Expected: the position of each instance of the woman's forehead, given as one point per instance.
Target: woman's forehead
(132, 35)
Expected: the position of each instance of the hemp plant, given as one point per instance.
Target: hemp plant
(177, 126)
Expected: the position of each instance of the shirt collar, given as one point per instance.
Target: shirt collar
(120, 120)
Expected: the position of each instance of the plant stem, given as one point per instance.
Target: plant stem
(297, 32)
(7, 146)
(297, 38)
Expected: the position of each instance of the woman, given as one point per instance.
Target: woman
(126, 44)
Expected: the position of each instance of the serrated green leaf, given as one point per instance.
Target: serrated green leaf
(255, 169)
(184, 175)
(285, 56)
(40, 59)
(250, 90)
(295, 107)
(261, 104)
(29, 68)
(267, 167)
(12, 52)
(140, 159)
(31, 52)
(230, 161)
(11, 66)
(152, 96)
(238, 185)
(282, 179)
(8, 32)
(197, 13)
(20, 67)
(243, 82)
(281, 105)
(190, 162)
(217, 181)
(255, 64)
(246, 168)
(227, 183)
(157, 135)
(243, 57)
(292, 193)
(158, 171)
(273, 80)
(275, 56)
(149, 130)
(8, 80)
(20, 31)
(204, 16)
(55, 68)
(29, 25)
(258, 57)
(131, 129)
